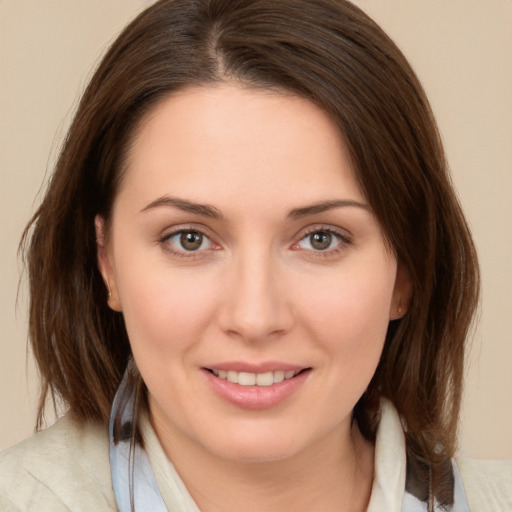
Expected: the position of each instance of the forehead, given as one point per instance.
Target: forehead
(221, 142)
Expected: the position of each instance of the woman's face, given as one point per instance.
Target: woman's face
(253, 277)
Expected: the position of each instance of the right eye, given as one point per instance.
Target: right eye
(188, 241)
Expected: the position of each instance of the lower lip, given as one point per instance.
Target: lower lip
(256, 397)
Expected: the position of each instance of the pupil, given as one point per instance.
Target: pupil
(321, 241)
(191, 240)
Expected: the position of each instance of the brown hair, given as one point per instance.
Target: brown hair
(330, 52)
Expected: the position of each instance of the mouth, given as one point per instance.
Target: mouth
(264, 379)
(268, 385)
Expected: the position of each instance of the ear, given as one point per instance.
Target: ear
(104, 264)
(402, 294)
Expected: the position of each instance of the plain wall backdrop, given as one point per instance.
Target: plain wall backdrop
(461, 50)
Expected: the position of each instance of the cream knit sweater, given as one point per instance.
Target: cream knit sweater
(66, 468)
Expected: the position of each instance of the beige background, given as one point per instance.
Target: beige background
(461, 50)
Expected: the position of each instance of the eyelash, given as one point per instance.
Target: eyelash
(341, 237)
(165, 242)
(343, 241)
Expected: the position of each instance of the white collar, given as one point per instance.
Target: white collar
(390, 462)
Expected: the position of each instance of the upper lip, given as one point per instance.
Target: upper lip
(263, 367)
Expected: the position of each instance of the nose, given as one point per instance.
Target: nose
(255, 306)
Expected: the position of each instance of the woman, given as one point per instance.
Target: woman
(251, 264)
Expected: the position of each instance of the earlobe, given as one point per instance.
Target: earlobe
(401, 294)
(104, 264)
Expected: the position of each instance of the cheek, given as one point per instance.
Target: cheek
(164, 310)
(350, 313)
(349, 324)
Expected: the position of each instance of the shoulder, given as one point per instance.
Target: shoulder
(64, 467)
(488, 484)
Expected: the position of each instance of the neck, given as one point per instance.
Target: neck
(334, 474)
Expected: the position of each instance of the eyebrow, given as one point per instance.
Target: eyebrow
(205, 210)
(324, 206)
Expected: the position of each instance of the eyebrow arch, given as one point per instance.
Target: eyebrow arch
(325, 206)
(205, 210)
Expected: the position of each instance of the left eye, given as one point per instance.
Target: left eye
(320, 241)
(189, 241)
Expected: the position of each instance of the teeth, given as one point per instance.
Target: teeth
(278, 376)
(246, 379)
(264, 379)
(255, 379)
(232, 377)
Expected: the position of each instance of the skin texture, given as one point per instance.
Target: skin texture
(256, 290)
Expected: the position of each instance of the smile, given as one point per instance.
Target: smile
(255, 379)
(263, 389)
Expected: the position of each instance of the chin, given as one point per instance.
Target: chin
(256, 453)
(255, 445)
